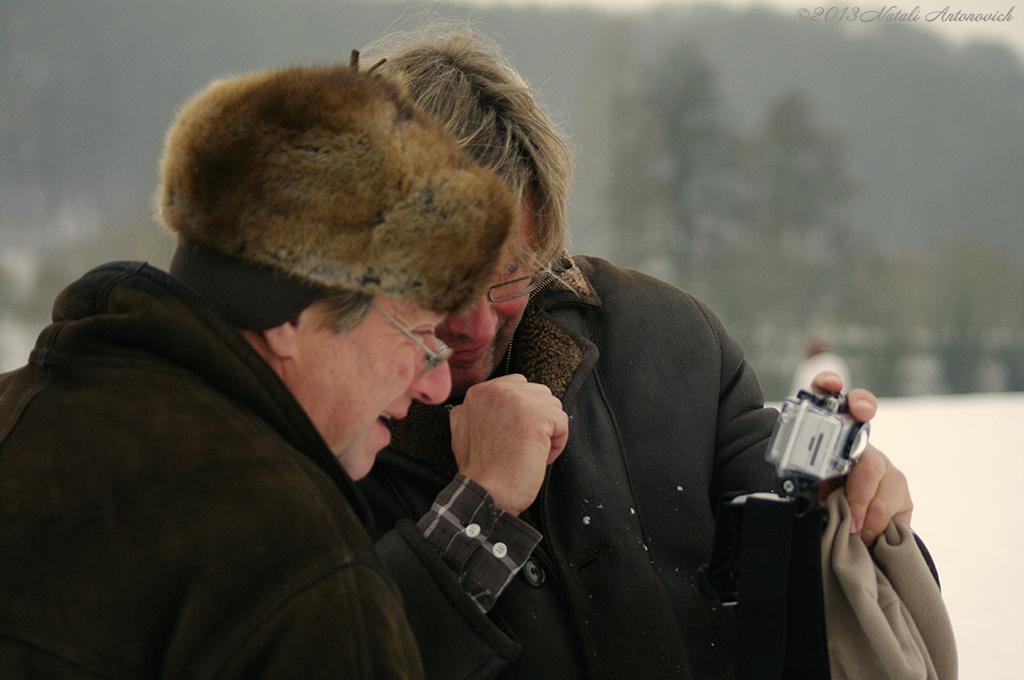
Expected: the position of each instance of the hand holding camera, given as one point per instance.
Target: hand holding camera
(876, 490)
(815, 439)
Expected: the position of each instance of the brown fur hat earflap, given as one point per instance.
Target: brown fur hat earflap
(330, 174)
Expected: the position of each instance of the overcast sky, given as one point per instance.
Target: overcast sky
(1007, 32)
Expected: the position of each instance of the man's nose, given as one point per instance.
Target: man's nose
(434, 386)
(480, 323)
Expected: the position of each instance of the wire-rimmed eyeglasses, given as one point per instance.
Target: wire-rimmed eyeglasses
(510, 290)
(433, 359)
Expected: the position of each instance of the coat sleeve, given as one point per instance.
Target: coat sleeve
(456, 640)
(743, 424)
(346, 624)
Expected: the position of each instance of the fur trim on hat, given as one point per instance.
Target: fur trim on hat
(332, 175)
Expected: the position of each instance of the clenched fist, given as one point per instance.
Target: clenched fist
(505, 434)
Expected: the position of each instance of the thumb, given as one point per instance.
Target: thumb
(559, 436)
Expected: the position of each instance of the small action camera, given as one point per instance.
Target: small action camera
(816, 438)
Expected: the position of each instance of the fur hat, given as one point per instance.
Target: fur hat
(330, 175)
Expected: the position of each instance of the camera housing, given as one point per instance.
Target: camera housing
(816, 438)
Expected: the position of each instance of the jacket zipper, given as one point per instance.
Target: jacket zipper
(538, 289)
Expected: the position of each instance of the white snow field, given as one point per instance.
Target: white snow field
(964, 459)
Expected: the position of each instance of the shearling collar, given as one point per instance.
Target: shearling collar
(542, 349)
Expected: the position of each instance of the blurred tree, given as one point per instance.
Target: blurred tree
(977, 307)
(959, 348)
(799, 215)
(700, 156)
(801, 174)
(676, 167)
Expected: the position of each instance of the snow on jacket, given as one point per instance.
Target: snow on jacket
(665, 416)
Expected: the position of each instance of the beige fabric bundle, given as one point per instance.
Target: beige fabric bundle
(884, 612)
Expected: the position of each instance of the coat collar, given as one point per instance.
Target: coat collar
(142, 311)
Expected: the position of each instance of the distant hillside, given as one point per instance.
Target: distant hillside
(930, 135)
(89, 86)
(935, 133)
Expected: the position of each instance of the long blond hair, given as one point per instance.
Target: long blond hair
(461, 78)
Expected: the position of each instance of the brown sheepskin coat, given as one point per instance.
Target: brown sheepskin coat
(168, 510)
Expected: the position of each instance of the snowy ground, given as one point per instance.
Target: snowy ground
(964, 458)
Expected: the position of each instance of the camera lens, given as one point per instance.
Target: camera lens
(860, 442)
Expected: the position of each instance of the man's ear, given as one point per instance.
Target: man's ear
(283, 341)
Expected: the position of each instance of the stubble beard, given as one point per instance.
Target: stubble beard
(465, 376)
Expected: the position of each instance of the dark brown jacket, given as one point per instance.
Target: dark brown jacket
(167, 510)
(665, 416)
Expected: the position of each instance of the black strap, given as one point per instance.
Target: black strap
(762, 588)
(767, 561)
(806, 641)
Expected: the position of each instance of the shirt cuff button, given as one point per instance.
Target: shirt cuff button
(499, 550)
(473, 530)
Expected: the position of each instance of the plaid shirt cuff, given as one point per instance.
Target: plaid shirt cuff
(483, 545)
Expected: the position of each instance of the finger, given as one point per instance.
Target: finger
(559, 437)
(510, 378)
(458, 434)
(862, 404)
(455, 416)
(862, 485)
(892, 502)
(827, 382)
(504, 382)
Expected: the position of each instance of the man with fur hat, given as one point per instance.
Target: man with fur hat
(177, 457)
(525, 553)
